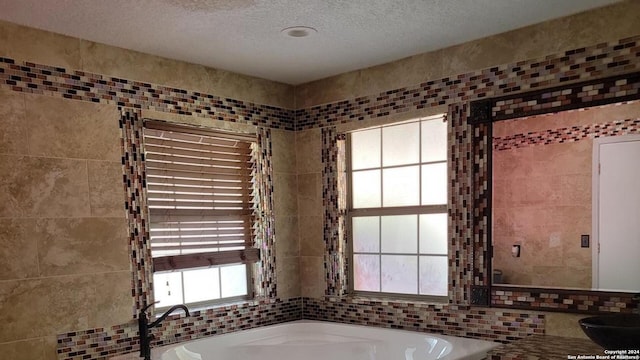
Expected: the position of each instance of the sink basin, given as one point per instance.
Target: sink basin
(613, 332)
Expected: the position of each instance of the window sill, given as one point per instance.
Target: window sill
(387, 299)
(198, 308)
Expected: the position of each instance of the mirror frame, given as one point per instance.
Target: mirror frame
(610, 90)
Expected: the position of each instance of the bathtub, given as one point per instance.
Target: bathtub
(315, 340)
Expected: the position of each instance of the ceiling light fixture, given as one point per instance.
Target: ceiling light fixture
(298, 31)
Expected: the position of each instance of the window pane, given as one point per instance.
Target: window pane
(233, 280)
(167, 288)
(201, 285)
(433, 234)
(366, 234)
(365, 149)
(401, 186)
(434, 184)
(366, 272)
(401, 144)
(433, 275)
(434, 140)
(366, 189)
(400, 274)
(400, 234)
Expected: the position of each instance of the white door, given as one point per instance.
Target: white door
(617, 205)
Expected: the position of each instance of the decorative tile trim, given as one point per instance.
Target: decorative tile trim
(134, 182)
(598, 61)
(447, 319)
(585, 94)
(544, 347)
(460, 190)
(567, 135)
(103, 343)
(265, 237)
(335, 206)
(80, 85)
(578, 301)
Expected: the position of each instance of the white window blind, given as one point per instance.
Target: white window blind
(199, 192)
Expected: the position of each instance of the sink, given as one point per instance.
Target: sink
(613, 332)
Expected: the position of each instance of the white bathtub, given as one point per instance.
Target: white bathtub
(315, 340)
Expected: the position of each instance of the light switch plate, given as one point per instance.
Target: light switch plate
(584, 241)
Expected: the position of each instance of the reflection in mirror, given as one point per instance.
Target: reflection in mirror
(543, 175)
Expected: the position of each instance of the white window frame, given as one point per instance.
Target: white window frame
(389, 211)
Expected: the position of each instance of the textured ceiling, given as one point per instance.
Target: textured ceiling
(244, 35)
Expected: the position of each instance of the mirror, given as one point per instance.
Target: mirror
(550, 215)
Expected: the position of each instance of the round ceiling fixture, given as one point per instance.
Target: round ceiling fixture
(298, 31)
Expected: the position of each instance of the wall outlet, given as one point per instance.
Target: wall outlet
(584, 241)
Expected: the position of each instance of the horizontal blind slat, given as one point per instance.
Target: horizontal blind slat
(160, 188)
(151, 148)
(154, 180)
(154, 173)
(238, 196)
(198, 161)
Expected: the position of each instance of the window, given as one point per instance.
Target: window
(199, 194)
(398, 208)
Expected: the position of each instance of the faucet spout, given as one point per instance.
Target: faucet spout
(169, 312)
(144, 326)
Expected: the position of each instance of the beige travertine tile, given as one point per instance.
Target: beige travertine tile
(562, 324)
(69, 303)
(43, 187)
(81, 245)
(284, 151)
(288, 277)
(309, 151)
(72, 129)
(13, 138)
(113, 304)
(18, 250)
(43, 47)
(475, 55)
(50, 347)
(134, 65)
(310, 194)
(412, 70)
(311, 236)
(31, 349)
(46, 307)
(339, 87)
(106, 191)
(312, 276)
(287, 243)
(285, 187)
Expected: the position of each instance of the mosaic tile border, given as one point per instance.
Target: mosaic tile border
(134, 183)
(265, 284)
(565, 135)
(576, 301)
(447, 319)
(461, 246)
(103, 343)
(59, 82)
(585, 94)
(597, 61)
(335, 207)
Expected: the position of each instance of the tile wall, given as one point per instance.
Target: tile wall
(63, 264)
(80, 180)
